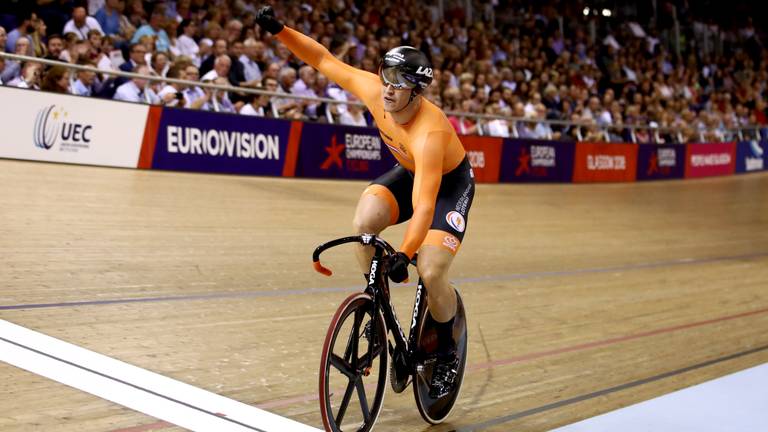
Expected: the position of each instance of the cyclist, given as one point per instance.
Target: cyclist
(433, 184)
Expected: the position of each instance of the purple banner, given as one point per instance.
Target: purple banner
(659, 162)
(750, 156)
(527, 160)
(221, 143)
(347, 152)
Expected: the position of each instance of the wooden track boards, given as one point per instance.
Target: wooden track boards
(577, 296)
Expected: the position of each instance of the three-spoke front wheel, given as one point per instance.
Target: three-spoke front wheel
(353, 368)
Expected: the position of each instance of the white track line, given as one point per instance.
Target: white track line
(150, 393)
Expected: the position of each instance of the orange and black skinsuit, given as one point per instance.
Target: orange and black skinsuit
(433, 185)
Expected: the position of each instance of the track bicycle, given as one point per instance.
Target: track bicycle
(357, 349)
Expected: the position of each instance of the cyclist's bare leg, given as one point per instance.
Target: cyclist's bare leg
(433, 265)
(372, 216)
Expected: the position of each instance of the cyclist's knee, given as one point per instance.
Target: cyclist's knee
(366, 224)
(432, 276)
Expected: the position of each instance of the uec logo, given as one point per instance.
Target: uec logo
(51, 127)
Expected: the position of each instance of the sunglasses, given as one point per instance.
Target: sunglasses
(392, 76)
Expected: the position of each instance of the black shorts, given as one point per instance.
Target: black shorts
(454, 199)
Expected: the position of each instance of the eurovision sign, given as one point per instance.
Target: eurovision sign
(222, 143)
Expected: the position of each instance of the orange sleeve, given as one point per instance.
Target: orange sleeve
(426, 184)
(362, 84)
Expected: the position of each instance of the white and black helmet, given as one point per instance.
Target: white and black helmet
(406, 67)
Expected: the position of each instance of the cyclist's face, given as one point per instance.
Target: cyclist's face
(394, 99)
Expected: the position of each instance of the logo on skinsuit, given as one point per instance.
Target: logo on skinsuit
(451, 242)
(456, 221)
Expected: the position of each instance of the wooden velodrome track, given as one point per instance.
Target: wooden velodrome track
(581, 299)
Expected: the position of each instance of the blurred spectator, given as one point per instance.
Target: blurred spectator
(25, 28)
(137, 56)
(250, 59)
(220, 47)
(3, 39)
(85, 84)
(353, 116)
(109, 17)
(154, 28)
(56, 80)
(54, 47)
(136, 89)
(304, 87)
(29, 77)
(259, 105)
(81, 24)
(194, 96)
(186, 42)
(160, 63)
(172, 94)
(220, 101)
(220, 68)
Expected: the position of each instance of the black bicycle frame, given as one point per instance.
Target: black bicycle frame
(378, 288)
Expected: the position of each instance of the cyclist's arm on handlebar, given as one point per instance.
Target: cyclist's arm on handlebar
(426, 184)
(362, 84)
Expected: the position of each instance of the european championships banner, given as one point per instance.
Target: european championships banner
(345, 152)
(714, 159)
(221, 143)
(70, 129)
(605, 162)
(751, 156)
(660, 162)
(529, 160)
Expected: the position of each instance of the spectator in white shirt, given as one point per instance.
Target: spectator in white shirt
(29, 77)
(497, 127)
(172, 95)
(81, 23)
(221, 68)
(353, 116)
(256, 107)
(195, 96)
(137, 90)
(186, 43)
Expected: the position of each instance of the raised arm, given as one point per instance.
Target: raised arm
(362, 84)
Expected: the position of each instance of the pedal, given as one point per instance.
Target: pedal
(399, 375)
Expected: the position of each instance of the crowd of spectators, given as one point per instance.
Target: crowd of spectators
(522, 61)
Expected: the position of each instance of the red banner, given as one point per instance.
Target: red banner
(706, 160)
(484, 155)
(603, 162)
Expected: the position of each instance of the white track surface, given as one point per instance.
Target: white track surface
(733, 403)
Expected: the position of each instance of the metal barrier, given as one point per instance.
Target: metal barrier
(513, 122)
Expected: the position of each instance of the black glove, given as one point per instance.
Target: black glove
(398, 267)
(265, 17)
